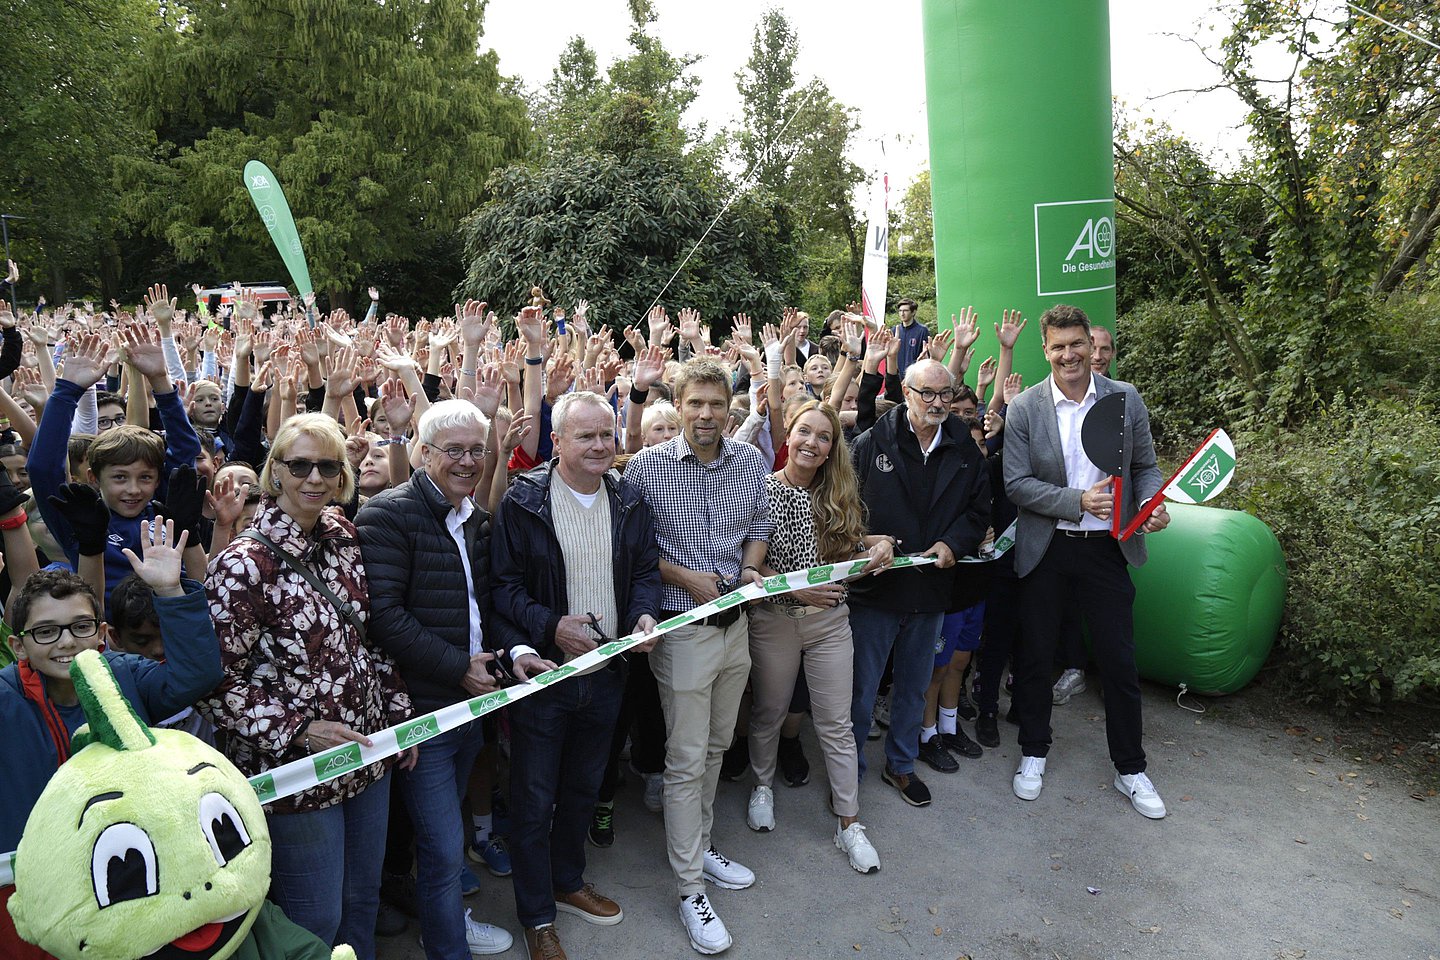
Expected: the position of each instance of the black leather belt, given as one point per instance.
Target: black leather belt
(722, 619)
(1085, 534)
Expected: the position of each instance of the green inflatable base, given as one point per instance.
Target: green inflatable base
(1208, 602)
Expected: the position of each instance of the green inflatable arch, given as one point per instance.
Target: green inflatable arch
(1022, 179)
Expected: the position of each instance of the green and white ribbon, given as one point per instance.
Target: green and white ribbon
(301, 775)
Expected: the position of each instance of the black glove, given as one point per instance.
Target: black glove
(184, 499)
(89, 518)
(10, 498)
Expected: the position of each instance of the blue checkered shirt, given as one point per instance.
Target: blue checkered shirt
(704, 512)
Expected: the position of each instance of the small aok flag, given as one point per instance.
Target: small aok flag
(1201, 477)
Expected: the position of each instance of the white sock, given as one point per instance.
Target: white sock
(927, 734)
(947, 719)
(482, 827)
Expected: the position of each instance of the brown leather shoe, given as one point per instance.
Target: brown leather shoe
(590, 906)
(543, 943)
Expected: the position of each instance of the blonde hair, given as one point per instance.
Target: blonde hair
(325, 432)
(660, 410)
(835, 495)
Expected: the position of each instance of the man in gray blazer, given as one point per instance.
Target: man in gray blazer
(1065, 556)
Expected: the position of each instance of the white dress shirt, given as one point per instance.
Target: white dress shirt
(1079, 471)
(455, 523)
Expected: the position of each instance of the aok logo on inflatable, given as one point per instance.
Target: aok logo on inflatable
(1074, 247)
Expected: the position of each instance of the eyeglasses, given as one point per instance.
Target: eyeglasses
(458, 453)
(105, 423)
(930, 396)
(50, 632)
(300, 468)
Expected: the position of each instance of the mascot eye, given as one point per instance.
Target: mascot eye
(122, 866)
(223, 828)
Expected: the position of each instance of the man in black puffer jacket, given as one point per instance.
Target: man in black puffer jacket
(426, 550)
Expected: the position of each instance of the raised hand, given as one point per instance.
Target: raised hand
(519, 429)
(559, 376)
(228, 501)
(939, 345)
(88, 358)
(357, 442)
(393, 360)
(690, 325)
(661, 332)
(649, 367)
(399, 408)
(309, 344)
(12, 272)
(854, 336)
(474, 322)
(374, 294)
(263, 341)
(342, 372)
(510, 361)
(489, 388)
(247, 304)
(1008, 330)
(142, 348)
(985, 376)
(742, 330)
(395, 328)
(967, 330)
(7, 319)
(185, 499)
(164, 553)
(161, 306)
(531, 325)
(1014, 386)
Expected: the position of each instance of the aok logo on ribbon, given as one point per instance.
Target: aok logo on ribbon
(1074, 247)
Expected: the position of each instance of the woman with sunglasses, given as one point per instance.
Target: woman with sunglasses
(301, 677)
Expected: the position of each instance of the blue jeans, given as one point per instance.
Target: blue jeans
(325, 867)
(559, 745)
(912, 635)
(433, 791)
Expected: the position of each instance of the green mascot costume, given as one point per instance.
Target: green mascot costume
(148, 843)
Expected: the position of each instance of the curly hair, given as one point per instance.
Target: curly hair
(840, 518)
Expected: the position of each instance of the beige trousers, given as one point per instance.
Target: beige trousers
(777, 643)
(701, 673)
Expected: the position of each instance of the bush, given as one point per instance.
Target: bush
(1354, 496)
(1172, 354)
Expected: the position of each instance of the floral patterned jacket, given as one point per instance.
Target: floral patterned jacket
(288, 656)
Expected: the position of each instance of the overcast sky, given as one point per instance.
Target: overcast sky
(884, 76)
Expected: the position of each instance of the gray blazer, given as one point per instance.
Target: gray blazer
(1035, 470)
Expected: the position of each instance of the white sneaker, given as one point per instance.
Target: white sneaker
(1071, 683)
(1142, 794)
(881, 713)
(1028, 779)
(654, 792)
(858, 848)
(726, 873)
(707, 931)
(761, 815)
(485, 938)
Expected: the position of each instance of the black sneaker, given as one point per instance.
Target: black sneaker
(1011, 716)
(602, 825)
(389, 922)
(793, 765)
(912, 790)
(398, 890)
(961, 744)
(965, 709)
(933, 752)
(736, 760)
(987, 731)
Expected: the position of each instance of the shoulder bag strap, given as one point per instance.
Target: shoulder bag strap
(345, 610)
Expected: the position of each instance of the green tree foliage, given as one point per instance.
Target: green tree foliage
(380, 119)
(613, 230)
(796, 139)
(1338, 200)
(64, 127)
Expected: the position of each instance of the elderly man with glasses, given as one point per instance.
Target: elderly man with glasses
(924, 482)
(426, 549)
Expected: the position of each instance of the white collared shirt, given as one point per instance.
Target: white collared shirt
(1079, 471)
(455, 523)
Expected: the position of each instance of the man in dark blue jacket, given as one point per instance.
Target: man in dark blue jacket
(925, 484)
(573, 560)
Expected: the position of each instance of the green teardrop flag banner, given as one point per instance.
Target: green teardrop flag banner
(275, 212)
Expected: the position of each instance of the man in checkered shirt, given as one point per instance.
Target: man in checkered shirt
(712, 521)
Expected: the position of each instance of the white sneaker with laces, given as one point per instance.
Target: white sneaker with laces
(1070, 684)
(1143, 796)
(726, 873)
(654, 792)
(485, 938)
(858, 848)
(1028, 779)
(707, 931)
(761, 815)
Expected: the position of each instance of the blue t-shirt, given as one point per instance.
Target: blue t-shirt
(912, 344)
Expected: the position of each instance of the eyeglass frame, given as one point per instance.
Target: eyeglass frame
(60, 628)
(934, 394)
(456, 457)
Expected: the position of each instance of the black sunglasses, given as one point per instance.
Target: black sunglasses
(300, 468)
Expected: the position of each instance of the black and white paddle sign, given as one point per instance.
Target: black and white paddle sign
(1102, 436)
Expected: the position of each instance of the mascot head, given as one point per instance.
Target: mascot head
(146, 843)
